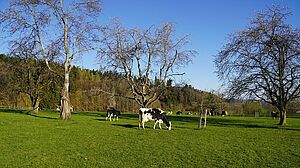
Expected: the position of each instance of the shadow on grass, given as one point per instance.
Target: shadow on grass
(135, 126)
(243, 123)
(129, 116)
(45, 117)
(230, 122)
(14, 111)
(91, 114)
(27, 112)
(100, 119)
(126, 125)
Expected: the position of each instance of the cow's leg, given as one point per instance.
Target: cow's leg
(141, 123)
(159, 124)
(117, 118)
(154, 124)
(110, 117)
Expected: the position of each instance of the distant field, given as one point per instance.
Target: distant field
(88, 140)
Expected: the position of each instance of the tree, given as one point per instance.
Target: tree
(31, 77)
(8, 94)
(263, 61)
(147, 58)
(58, 28)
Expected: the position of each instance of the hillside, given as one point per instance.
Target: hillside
(91, 90)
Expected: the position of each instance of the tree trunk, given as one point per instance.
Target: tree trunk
(282, 119)
(65, 112)
(35, 104)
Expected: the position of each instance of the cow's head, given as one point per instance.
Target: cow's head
(169, 125)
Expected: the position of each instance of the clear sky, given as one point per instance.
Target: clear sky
(208, 22)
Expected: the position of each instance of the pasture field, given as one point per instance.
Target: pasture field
(87, 140)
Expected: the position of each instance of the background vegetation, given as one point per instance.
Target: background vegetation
(89, 92)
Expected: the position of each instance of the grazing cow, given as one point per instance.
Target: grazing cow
(112, 112)
(58, 108)
(189, 113)
(223, 113)
(274, 114)
(178, 112)
(153, 114)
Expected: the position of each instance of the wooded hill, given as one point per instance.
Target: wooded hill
(91, 90)
(23, 79)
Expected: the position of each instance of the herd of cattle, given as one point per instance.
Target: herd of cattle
(145, 115)
(209, 113)
(148, 114)
(155, 114)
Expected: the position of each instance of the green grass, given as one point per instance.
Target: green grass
(87, 140)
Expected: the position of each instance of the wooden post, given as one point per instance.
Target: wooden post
(205, 116)
(200, 119)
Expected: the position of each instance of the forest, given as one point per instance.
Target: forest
(22, 80)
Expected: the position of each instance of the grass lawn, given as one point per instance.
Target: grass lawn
(87, 140)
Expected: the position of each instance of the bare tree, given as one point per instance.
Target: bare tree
(59, 28)
(147, 58)
(263, 61)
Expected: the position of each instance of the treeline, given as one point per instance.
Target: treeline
(90, 90)
(22, 80)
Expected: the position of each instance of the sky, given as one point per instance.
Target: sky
(208, 22)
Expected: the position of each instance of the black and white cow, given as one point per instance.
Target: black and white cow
(274, 114)
(112, 113)
(58, 108)
(153, 114)
(178, 113)
(223, 113)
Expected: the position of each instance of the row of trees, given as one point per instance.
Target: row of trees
(32, 87)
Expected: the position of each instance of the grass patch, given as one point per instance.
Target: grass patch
(87, 140)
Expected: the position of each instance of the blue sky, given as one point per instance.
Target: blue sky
(208, 22)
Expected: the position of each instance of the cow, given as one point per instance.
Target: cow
(178, 113)
(274, 114)
(189, 113)
(223, 113)
(112, 112)
(153, 114)
(58, 108)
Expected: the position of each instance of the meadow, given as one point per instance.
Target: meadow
(87, 140)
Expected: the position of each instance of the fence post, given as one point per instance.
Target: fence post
(205, 116)
(200, 119)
